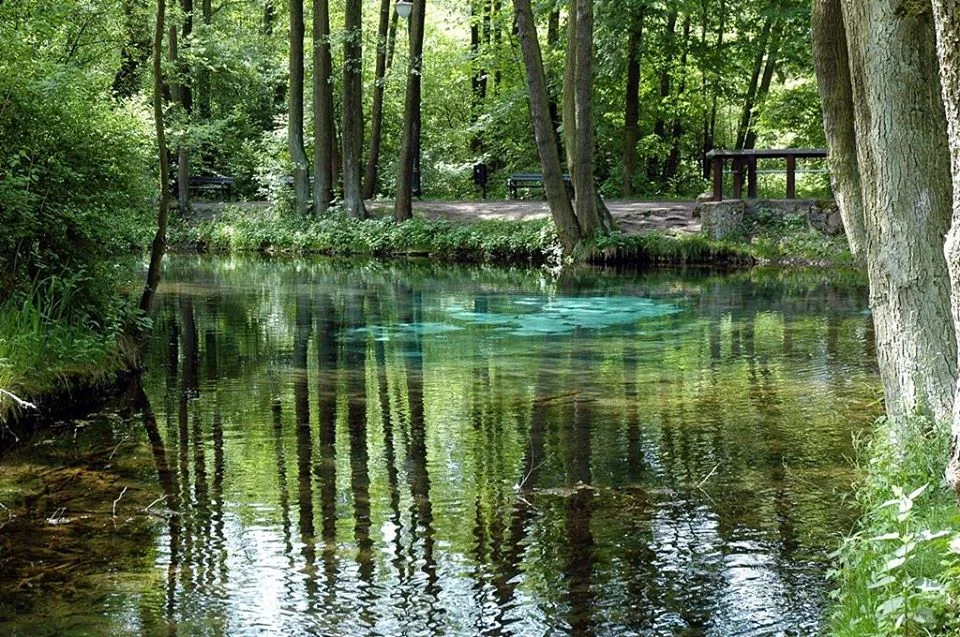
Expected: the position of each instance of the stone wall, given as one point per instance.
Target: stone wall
(722, 219)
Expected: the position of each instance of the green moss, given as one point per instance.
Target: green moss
(897, 573)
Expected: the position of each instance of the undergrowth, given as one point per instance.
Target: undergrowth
(46, 347)
(899, 572)
(535, 241)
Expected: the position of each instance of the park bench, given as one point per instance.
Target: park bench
(516, 181)
(746, 161)
(212, 183)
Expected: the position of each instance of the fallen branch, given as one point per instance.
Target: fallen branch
(23, 404)
(117, 501)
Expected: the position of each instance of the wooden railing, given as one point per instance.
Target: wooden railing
(745, 161)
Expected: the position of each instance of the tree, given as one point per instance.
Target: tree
(324, 140)
(899, 124)
(386, 32)
(403, 203)
(564, 218)
(631, 123)
(946, 15)
(301, 183)
(160, 238)
(353, 109)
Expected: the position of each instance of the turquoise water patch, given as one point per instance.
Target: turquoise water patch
(536, 316)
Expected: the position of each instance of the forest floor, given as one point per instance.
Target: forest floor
(632, 216)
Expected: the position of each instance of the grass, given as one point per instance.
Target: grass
(899, 572)
(45, 351)
(268, 230)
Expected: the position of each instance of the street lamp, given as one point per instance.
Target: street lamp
(404, 7)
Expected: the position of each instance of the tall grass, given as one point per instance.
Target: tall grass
(899, 572)
(45, 345)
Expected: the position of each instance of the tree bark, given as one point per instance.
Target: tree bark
(159, 245)
(569, 108)
(301, 184)
(352, 130)
(582, 170)
(561, 209)
(403, 203)
(946, 15)
(764, 89)
(376, 115)
(203, 79)
(176, 93)
(831, 62)
(323, 135)
(901, 142)
(631, 123)
(754, 81)
(672, 164)
(666, 68)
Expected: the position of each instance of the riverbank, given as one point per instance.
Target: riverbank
(513, 234)
(898, 572)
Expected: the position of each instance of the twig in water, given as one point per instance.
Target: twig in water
(23, 404)
(117, 501)
(712, 471)
(519, 486)
(160, 499)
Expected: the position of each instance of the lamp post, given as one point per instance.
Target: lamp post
(408, 169)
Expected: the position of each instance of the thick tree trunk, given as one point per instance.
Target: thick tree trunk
(403, 204)
(301, 184)
(553, 40)
(631, 123)
(323, 144)
(754, 81)
(376, 114)
(947, 19)
(832, 66)
(901, 142)
(582, 170)
(560, 207)
(159, 245)
(353, 110)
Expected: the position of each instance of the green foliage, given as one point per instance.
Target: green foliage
(74, 185)
(897, 574)
(273, 230)
(775, 236)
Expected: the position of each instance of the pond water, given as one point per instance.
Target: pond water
(323, 448)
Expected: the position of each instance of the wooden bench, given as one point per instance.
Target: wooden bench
(212, 183)
(747, 159)
(516, 181)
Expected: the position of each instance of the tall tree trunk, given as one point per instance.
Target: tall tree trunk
(135, 51)
(186, 109)
(176, 94)
(946, 15)
(159, 245)
(269, 17)
(666, 72)
(376, 115)
(832, 65)
(582, 169)
(403, 204)
(479, 80)
(631, 123)
(495, 8)
(323, 134)
(710, 132)
(203, 74)
(672, 164)
(352, 130)
(560, 207)
(900, 124)
(569, 112)
(754, 81)
(301, 184)
(768, 70)
(553, 40)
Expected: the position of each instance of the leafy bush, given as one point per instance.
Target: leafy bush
(897, 574)
(74, 185)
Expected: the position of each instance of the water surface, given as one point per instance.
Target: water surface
(359, 448)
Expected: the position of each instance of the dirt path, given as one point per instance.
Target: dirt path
(632, 216)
